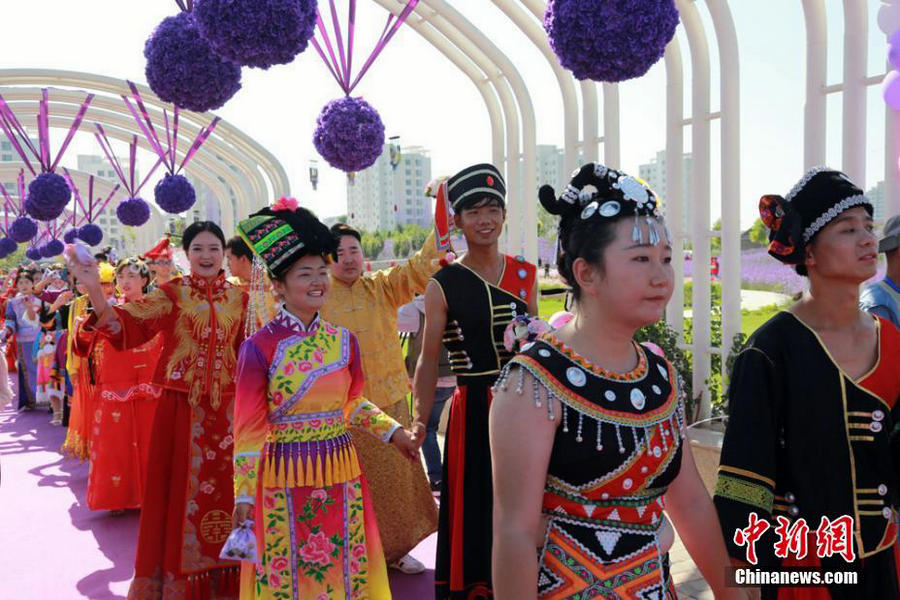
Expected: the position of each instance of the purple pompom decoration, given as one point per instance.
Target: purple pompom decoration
(48, 194)
(349, 134)
(256, 33)
(52, 248)
(70, 236)
(609, 41)
(22, 229)
(33, 254)
(183, 69)
(133, 212)
(174, 194)
(90, 234)
(7, 247)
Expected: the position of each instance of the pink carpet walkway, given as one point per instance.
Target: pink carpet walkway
(53, 547)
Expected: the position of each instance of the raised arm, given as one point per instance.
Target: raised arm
(402, 282)
(519, 474)
(426, 376)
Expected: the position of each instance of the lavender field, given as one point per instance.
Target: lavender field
(761, 271)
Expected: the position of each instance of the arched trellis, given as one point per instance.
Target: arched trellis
(229, 160)
(496, 79)
(145, 236)
(853, 91)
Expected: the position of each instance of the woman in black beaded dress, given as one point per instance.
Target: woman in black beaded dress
(468, 305)
(587, 426)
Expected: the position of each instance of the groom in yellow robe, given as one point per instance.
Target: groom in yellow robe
(366, 303)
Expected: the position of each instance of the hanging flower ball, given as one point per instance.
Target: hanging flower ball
(48, 194)
(70, 236)
(174, 194)
(133, 212)
(90, 234)
(609, 41)
(349, 134)
(33, 254)
(22, 229)
(52, 248)
(183, 69)
(256, 33)
(7, 246)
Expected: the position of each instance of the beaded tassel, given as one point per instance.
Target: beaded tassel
(257, 296)
(637, 236)
(578, 437)
(565, 418)
(520, 388)
(599, 435)
(537, 392)
(619, 438)
(634, 435)
(550, 414)
(662, 434)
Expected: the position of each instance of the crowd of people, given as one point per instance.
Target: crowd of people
(276, 401)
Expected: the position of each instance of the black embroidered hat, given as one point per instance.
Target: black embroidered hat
(816, 200)
(283, 233)
(474, 184)
(598, 192)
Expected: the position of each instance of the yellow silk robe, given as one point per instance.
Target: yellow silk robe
(404, 506)
(368, 308)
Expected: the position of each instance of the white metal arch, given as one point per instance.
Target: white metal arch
(253, 173)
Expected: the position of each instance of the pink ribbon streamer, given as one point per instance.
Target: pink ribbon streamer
(19, 139)
(168, 155)
(341, 69)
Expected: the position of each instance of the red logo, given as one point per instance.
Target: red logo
(490, 181)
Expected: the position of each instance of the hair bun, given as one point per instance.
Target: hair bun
(549, 200)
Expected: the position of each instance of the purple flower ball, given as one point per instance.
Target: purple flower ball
(256, 33)
(7, 246)
(90, 234)
(22, 229)
(183, 69)
(349, 134)
(70, 236)
(133, 212)
(52, 248)
(174, 194)
(609, 40)
(48, 194)
(33, 254)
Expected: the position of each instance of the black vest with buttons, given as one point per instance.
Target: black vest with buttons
(478, 313)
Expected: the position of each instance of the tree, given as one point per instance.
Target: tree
(372, 245)
(15, 259)
(715, 244)
(759, 233)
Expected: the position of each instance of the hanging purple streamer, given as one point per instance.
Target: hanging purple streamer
(201, 138)
(75, 191)
(404, 14)
(44, 130)
(337, 67)
(318, 48)
(8, 123)
(173, 149)
(72, 129)
(110, 154)
(342, 70)
(104, 203)
(338, 37)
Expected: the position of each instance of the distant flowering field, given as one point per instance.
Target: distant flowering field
(761, 271)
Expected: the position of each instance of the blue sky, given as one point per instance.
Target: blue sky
(426, 101)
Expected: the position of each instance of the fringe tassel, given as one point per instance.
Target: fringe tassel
(329, 474)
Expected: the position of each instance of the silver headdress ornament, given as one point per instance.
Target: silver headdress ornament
(257, 300)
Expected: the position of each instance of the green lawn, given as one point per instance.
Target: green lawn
(750, 319)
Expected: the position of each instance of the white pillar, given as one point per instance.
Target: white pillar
(814, 115)
(854, 119)
(674, 192)
(612, 146)
(700, 144)
(730, 123)
(590, 122)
